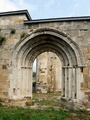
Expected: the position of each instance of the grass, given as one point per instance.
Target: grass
(18, 113)
(46, 95)
(46, 99)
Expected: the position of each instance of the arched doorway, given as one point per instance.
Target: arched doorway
(37, 42)
(49, 73)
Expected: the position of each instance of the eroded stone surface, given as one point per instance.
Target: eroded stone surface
(16, 60)
(49, 73)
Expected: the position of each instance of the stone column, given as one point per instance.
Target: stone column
(19, 86)
(75, 95)
(29, 83)
(21, 82)
(63, 83)
(73, 83)
(66, 83)
(70, 82)
(24, 82)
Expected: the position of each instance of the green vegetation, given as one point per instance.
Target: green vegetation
(34, 74)
(18, 113)
(42, 113)
(46, 95)
(1, 39)
(31, 30)
(34, 84)
(23, 34)
(12, 31)
(46, 99)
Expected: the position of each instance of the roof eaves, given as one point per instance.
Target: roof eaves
(64, 19)
(16, 13)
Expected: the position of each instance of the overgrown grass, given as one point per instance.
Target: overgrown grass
(47, 99)
(45, 95)
(18, 113)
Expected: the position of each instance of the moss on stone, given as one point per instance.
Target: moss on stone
(1, 39)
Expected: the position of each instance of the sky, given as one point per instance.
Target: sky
(41, 9)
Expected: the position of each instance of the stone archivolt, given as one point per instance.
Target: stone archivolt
(44, 40)
(68, 38)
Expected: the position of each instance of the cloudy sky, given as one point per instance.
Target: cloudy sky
(40, 9)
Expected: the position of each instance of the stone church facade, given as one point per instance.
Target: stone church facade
(23, 39)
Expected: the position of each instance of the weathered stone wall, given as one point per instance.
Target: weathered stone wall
(78, 31)
(6, 24)
(49, 73)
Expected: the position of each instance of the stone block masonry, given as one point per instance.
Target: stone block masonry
(68, 38)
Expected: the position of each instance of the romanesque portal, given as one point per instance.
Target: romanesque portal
(39, 41)
(22, 40)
